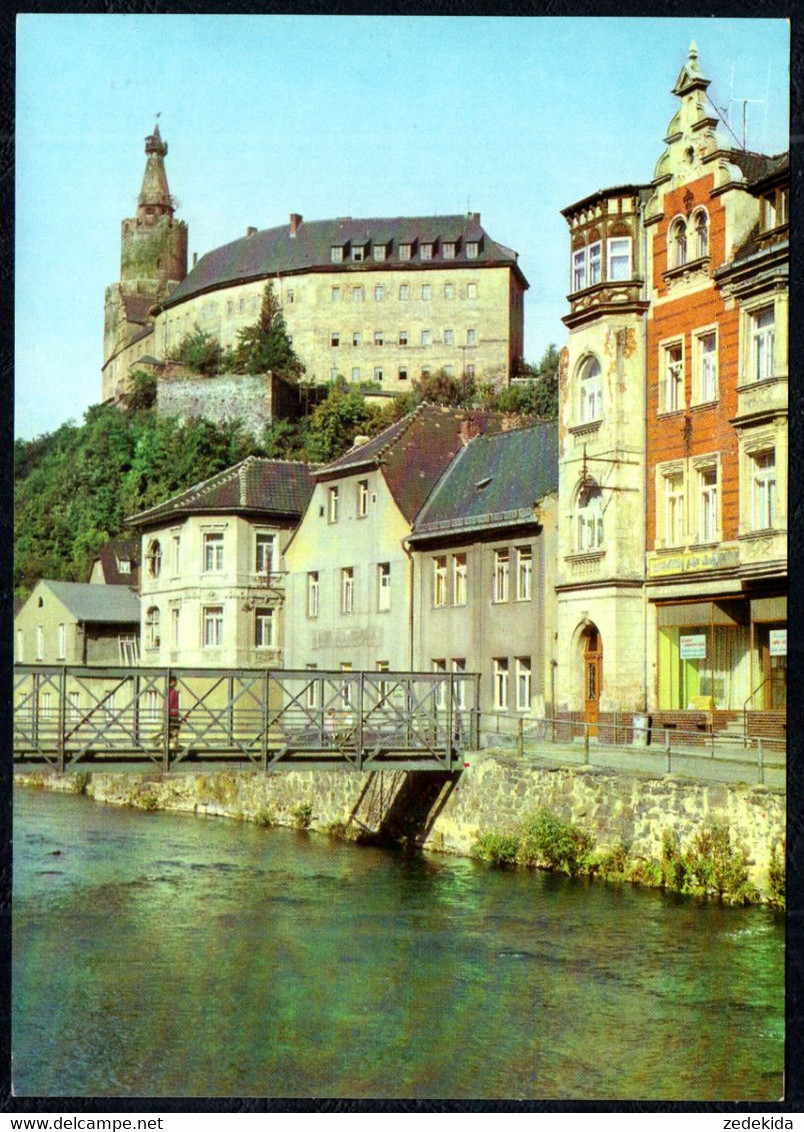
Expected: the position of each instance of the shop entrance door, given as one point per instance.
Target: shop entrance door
(593, 678)
(773, 667)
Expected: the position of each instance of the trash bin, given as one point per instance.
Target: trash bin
(641, 731)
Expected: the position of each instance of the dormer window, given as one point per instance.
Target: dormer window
(774, 209)
(336, 253)
(124, 565)
(448, 250)
(472, 249)
(380, 251)
(425, 251)
(358, 253)
(405, 251)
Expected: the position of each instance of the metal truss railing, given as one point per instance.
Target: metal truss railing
(273, 718)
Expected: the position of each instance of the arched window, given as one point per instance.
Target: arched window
(589, 516)
(701, 234)
(152, 628)
(678, 243)
(590, 385)
(154, 558)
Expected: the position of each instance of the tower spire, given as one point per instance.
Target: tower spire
(154, 200)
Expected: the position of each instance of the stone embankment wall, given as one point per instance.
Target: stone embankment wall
(254, 400)
(446, 813)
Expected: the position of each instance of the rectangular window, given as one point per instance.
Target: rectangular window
(449, 337)
(312, 594)
(501, 573)
(439, 581)
(358, 254)
(404, 291)
(290, 295)
(674, 508)
(174, 627)
(472, 248)
(449, 291)
(448, 250)
(332, 505)
(311, 691)
(46, 705)
(595, 264)
(523, 683)
(403, 337)
(379, 293)
(762, 343)
(459, 578)
(334, 338)
(471, 337)
(346, 686)
(424, 371)
(336, 254)
(471, 290)
(524, 572)
(671, 379)
(212, 626)
(426, 337)
(383, 685)
(425, 251)
(404, 251)
(449, 371)
(707, 366)
(20, 647)
(379, 253)
(264, 562)
(500, 683)
(384, 587)
(362, 498)
(355, 373)
(61, 642)
(213, 553)
(590, 391)
(469, 370)
(357, 338)
(579, 269)
(403, 373)
(459, 685)
(241, 305)
(264, 628)
(378, 338)
(764, 490)
(336, 294)
(440, 668)
(426, 292)
(124, 565)
(619, 255)
(74, 712)
(707, 504)
(176, 555)
(378, 373)
(357, 294)
(348, 589)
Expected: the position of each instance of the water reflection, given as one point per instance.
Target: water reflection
(165, 955)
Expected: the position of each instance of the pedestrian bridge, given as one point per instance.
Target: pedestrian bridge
(274, 719)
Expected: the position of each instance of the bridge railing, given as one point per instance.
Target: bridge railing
(275, 718)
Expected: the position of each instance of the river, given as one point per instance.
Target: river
(165, 955)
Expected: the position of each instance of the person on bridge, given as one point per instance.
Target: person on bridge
(174, 714)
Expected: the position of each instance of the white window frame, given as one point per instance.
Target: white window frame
(61, 641)
(152, 627)
(264, 619)
(383, 587)
(589, 528)
(619, 249)
(672, 381)
(502, 575)
(708, 500)
(336, 253)
(700, 232)
(672, 498)
(439, 581)
(379, 293)
(590, 391)
(448, 249)
(264, 552)
(405, 251)
(449, 337)
(460, 577)
(313, 593)
(213, 552)
(439, 667)
(449, 290)
(471, 290)
(335, 294)
(347, 589)
(427, 292)
(332, 504)
(472, 249)
(459, 685)
(524, 573)
(212, 627)
(426, 337)
(524, 683)
(705, 365)
(403, 337)
(677, 241)
(425, 252)
(175, 616)
(40, 642)
(501, 682)
(761, 343)
(764, 489)
(404, 292)
(471, 336)
(311, 691)
(378, 253)
(362, 498)
(379, 338)
(357, 338)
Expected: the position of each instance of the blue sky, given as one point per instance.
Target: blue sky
(514, 118)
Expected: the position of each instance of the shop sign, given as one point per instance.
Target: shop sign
(778, 642)
(693, 561)
(693, 646)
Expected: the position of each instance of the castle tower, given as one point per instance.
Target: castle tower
(153, 256)
(153, 261)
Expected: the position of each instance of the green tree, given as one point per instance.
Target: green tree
(332, 426)
(440, 388)
(142, 394)
(200, 352)
(265, 346)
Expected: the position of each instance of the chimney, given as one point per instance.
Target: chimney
(360, 440)
(295, 221)
(195, 258)
(250, 232)
(476, 217)
(469, 429)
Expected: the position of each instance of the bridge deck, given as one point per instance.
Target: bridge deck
(275, 719)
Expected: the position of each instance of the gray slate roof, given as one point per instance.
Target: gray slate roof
(274, 251)
(256, 486)
(111, 605)
(494, 481)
